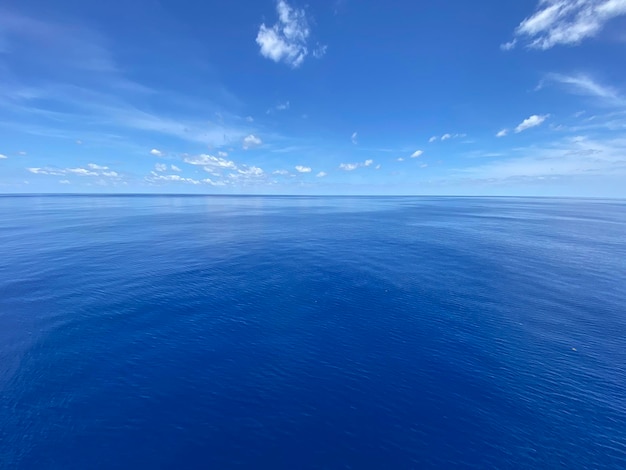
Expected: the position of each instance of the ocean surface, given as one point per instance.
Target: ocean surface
(312, 333)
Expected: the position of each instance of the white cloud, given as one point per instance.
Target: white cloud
(250, 171)
(93, 166)
(283, 106)
(46, 171)
(377, 167)
(424, 165)
(160, 167)
(565, 22)
(22, 154)
(64, 181)
(287, 40)
(533, 121)
(354, 138)
(354, 166)
(92, 170)
(210, 162)
(432, 139)
(175, 168)
(251, 141)
(417, 154)
(79, 142)
(222, 154)
(303, 169)
(349, 166)
(585, 85)
(502, 133)
(446, 137)
(280, 172)
(156, 153)
(400, 159)
(507, 46)
(154, 178)
(321, 174)
(209, 181)
(566, 157)
(320, 51)
(2, 156)
(81, 172)
(249, 119)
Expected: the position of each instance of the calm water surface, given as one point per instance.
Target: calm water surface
(297, 333)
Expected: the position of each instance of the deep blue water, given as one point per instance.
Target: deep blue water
(297, 333)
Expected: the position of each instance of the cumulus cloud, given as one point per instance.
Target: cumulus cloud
(155, 177)
(354, 138)
(287, 40)
(251, 141)
(224, 171)
(348, 166)
(211, 162)
(321, 174)
(156, 153)
(160, 167)
(400, 159)
(446, 136)
(565, 22)
(502, 133)
(417, 154)
(354, 166)
(2, 156)
(303, 169)
(91, 171)
(222, 154)
(280, 172)
(93, 166)
(533, 121)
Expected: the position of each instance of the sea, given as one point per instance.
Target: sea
(219, 332)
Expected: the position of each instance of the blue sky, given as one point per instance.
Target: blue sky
(328, 97)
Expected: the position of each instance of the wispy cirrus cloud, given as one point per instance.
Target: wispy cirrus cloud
(287, 40)
(572, 156)
(565, 22)
(585, 85)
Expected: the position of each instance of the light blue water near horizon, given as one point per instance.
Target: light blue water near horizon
(312, 332)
